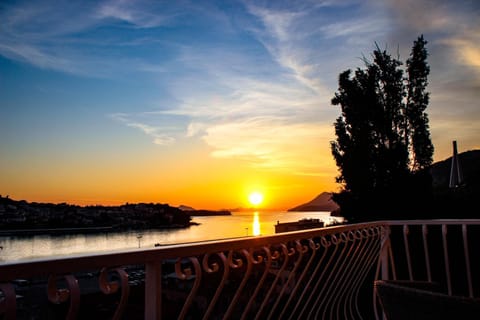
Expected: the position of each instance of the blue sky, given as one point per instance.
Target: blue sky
(109, 84)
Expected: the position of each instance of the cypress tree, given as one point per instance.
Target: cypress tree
(417, 101)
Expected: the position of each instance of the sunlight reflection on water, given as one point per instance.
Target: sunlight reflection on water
(256, 225)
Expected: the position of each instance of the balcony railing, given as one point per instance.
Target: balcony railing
(323, 273)
(441, 251)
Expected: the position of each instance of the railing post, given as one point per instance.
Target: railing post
(153, 290)
(384, 252)
(383, 265)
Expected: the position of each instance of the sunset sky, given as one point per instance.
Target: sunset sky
(203, 102)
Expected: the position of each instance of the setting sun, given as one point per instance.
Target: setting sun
(255, 198)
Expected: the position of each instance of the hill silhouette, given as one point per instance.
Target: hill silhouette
(469, 164)
(457, 202)
(322, 202)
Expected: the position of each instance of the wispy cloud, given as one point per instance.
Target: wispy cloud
(141, 14)
(280, 39)
(268, 143)
(271, 126)
(63, 36)
(312, 44)
(157, 134)
(452, 30)
(453, 25)
(271, 122)
(467, 50)
(253, 82)
(356, 28)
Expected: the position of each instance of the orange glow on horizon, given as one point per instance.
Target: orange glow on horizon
(206, 183)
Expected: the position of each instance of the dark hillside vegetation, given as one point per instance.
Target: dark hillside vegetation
(460, 202)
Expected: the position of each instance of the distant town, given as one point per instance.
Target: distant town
(22, 217)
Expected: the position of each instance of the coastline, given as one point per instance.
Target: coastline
(83, 230)
(207, 213)
(30, 232)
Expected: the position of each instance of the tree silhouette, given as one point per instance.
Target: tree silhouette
(417, 101)
(383, 147)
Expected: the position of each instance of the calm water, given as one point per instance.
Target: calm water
(239, 224)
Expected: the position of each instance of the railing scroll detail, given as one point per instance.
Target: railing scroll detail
(60, 295)
(108, 286)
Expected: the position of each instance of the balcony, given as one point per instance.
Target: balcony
(325, 273)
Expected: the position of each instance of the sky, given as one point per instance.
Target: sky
(201, 103)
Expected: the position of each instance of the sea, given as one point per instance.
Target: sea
(239, 224)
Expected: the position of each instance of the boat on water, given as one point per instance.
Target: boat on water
(302, 224)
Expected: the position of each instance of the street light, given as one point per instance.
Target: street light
(139, 236)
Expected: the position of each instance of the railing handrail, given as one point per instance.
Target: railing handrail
(429, 222)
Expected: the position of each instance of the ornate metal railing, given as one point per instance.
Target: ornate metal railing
(316, 274)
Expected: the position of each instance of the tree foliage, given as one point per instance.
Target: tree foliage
(383, 147)
(417, 102)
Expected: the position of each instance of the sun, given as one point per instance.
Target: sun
(255, 198)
